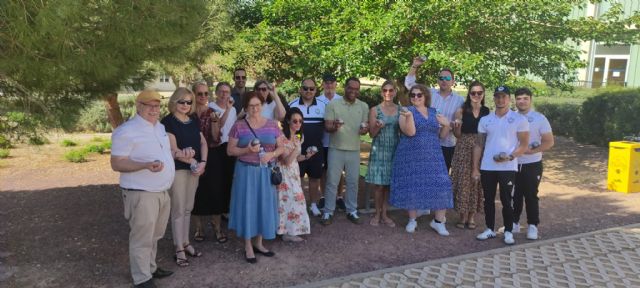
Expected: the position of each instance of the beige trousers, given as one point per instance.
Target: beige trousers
(148, 213)
(183, 193)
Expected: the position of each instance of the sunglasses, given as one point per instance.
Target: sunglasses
(262, 89)
(184, 102)
(387, 90)
(241, 77)
(476, 93)
(203, 93)
(296, 121)
(444, 78)
(415, 95)
(305, 88)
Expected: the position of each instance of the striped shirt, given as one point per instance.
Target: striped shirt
(313, 127)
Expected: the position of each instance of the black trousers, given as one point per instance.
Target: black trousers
(526, 191)
(447, 152)
(490, 181)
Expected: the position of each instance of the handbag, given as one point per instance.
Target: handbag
(276, 174)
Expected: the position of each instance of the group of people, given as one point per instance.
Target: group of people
(217, 157)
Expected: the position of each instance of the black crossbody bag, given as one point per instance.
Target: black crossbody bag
(276, 174)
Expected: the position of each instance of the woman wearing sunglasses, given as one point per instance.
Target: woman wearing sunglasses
(272, 107)
(186, 141)
(383, 128)
(469, 198)
(294, 219)
(420, 179)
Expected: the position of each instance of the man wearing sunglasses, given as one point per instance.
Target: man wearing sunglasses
(313, 130)
(239, 87)
(444, 100)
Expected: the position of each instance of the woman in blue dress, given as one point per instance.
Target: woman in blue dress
(419, 175)
(383, 129)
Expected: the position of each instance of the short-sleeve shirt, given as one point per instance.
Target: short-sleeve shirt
(502, 136)
(142, 141)
(313, 126)
(267, 134)
(268, 110)
(470, 122)
(325, 138)
(538, 125)
(186, 134)
(237, 98)
(353, 114)
(224, 138)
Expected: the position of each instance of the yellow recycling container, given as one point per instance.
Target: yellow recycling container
(624, 167)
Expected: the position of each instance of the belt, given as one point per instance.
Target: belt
(138, 190)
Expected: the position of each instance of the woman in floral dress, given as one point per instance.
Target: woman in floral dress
(294, 219)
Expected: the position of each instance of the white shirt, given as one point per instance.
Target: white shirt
(538, 125)
(323, 98)
(502, 136)
(268, 110)
(446, 106)
(231, 118)
(142, 141)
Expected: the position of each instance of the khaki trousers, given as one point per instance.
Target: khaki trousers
(148, 213)
(183, 194)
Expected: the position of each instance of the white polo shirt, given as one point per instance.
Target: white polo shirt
(231, 119)
(502, 136)
(538, 125)
(325, 138)
(142, 141)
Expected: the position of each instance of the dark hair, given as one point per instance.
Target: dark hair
(305, 79)
(346, 83)
(523, 90)
(287, 118)
(467, 103)
(260, 82)
(448, 70)
(223, 83)
(247, 97)
(426, 92)
(239, 69)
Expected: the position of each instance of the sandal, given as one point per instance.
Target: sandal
(374, 221)
(198, 236)
(460, 225)
(471, 225)
(189, 250)
(220, 237)
(389, 222)
(182, 262)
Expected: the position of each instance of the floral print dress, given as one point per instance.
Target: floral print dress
(292, 207)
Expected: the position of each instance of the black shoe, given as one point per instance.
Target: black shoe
(354, 218)
(321, 203)
(161, 273)
(148, 284)
(253, 260)
(340, 204)
(268, 253)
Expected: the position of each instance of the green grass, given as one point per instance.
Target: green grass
(98, 139)
(4, 153)
(76, 156)
(68, 143)
(94, 148)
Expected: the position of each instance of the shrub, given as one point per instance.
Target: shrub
(76, 156)
(5, 143)
(38, 140)
(4, 153)
(94, 148)
(68, 143)
(564, 118)
(98, 139)
(106, 145)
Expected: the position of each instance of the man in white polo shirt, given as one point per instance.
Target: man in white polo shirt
(502, 137)
(140, 151)
(530, 164)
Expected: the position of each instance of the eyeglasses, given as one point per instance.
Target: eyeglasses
(476, 93)
(444, 78)
(202, 93)
(387, 90)
(240, 77)
(262, 89)
(150, 105)
(184, 102)
(305, 88)
(296, 121)
(254, 106)
(415, 95)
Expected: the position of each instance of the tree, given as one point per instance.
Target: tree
(485, 39)
(55, 54)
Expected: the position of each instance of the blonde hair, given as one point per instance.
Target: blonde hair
(178, 95)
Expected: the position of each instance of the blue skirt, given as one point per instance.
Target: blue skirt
(254, 203)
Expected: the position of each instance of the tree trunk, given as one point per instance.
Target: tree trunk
(113, 110)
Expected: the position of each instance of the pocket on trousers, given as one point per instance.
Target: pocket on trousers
(130, 200)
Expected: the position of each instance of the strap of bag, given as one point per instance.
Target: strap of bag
(254, 134)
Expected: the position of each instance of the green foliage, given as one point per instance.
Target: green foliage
(38, 140)
(564, 118)
(68, 143)
(98, 139)
(94, 148)
(4, 142)
(18, 126)
(4, 153)
(94, 117)
(76, 156)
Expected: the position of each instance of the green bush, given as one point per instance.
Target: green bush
(94, 117)
(98, 139)
(76, 156)
(106, 145)
(68, 143)
(5, 143)
(564, 118)
(94, 148)
(38, 140)
(4, 153)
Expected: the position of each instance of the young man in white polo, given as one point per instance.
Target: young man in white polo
(502, 137)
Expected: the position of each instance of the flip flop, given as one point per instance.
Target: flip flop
(191, 251)
(460, 225)
(389, 222)
(472, 225)
(374, 221)
(198, 236)
(220, 237)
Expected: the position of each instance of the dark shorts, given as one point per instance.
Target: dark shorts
(313, 167)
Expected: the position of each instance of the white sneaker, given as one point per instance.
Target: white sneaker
(314, 210)
(516, 228)
(422, 213)
(508, 238)
(411, 226)
(532, 232)
(439, 227)
(486, 234)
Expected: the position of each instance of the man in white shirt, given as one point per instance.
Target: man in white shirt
(530, 164)
(502, 137)
(444, 100)
(141, 152)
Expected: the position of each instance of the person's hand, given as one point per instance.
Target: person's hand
(200, 170)
(254, 148)
(215, 119)
(155, 166)
(379, 124)
(475, 175)
(457, 123)
(417, 61)
(188, 152)
(442, 120)
(267, 157)
(337, 124)
(364, 129)
(406, 113)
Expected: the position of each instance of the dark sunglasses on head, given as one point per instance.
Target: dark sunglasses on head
(444, 78)
(203, 93)
(262, 89)
(476, 93)
(415, 95)
(183, 102)
(296, 121)
(387, 90)
(241, 77)
(305, 88)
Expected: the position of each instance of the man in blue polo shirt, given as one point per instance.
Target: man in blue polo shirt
(313, 130)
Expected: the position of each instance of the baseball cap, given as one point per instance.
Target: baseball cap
(148, 96)
(502, 89)
(328, 77)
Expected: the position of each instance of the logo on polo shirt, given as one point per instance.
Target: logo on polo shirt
(317, 110)
(530, 119)
(510, 120)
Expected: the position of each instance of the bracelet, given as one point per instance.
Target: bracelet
(201, 161)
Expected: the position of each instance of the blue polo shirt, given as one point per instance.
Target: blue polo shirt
(313, 127)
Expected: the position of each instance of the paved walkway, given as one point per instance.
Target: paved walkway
(606, 258)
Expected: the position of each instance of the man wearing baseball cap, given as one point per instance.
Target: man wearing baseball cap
(503, 135)
(140, 151)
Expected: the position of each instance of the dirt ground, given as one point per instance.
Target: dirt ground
(61, 225)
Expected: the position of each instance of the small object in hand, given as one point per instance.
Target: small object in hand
(231, 100)
(501, 156)
(380, 122)
(339, 121)
(255, 142)
(312, 149)
(534, 145)
(404, 109)
(218, 113)
(364, 125)
(457, 121)
(194, 166)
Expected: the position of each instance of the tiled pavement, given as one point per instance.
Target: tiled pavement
(606, 258)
